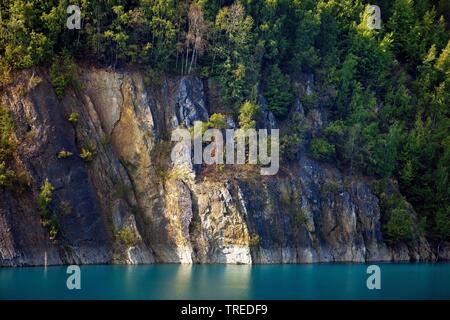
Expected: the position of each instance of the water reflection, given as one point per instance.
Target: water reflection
(320, 281)
(203, 282)
(182, 282)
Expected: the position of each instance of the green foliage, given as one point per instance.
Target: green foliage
(235, 68)
(248, 113)
(73, 118)
(217, 121)
(442, 223)
(34, 82)
(52, 226)
(321, 149)
(335, 130)
(385, 92)
(399, 225)
(234, 85)
(63, 73)
(88, 152)
(63, 154)
(278, 92)
(45, 196)
(7, 176)
(23, 41)
(43, 201)
(300, 218)
(5, 72)
(289, 146)
(291, 140)
(6, 129)
(403, 23)
(304, 53)
(127, 237)
(385, 152)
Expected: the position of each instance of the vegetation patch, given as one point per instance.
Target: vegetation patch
(7, 145)
(63, 73)
(300, 218)
(6, 130)
(63, 154)
(321, 149)
(385, 92)
(48, 219)
(127, 237)
(7, 176)
(73, 118)
(292, 138)
(88, 152)
(278, 92)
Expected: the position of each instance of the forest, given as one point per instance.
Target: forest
(386, 91)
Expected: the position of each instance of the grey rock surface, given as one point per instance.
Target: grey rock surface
(314, 213)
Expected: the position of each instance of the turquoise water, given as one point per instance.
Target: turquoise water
(316, 281)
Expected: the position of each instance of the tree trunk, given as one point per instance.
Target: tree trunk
(192, 60)
(187, 60)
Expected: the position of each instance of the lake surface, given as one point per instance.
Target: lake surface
(315, 281)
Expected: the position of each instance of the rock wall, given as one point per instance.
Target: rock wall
(172, 212)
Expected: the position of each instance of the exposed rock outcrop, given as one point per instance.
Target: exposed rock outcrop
(266, 119)
(168, 211)
(190, 102)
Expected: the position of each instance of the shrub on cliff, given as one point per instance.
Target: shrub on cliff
(6, 147)
(291, 140)
(442, 229)
(127, 237)
(399, 226)
(64, 154)
(247, 115)
(73, 118)
(6, 176)
(45, 197)
(63, 73)
(217, 121)
(321, 149)
(6, 129)
(290, 146)
(43, 201)
(278, 92)
(5, 72)
(88, 151)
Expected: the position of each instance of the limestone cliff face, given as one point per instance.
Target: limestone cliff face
(171, 212)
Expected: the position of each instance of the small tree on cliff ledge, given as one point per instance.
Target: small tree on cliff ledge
(278, 92)
(442, 229)
(43, 201)
(399, 226)
(195, 39)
